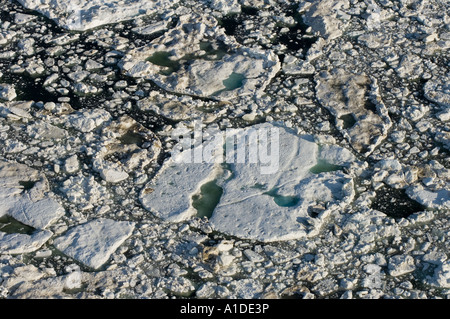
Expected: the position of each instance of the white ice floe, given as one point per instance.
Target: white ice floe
(170, 195)
(401, 264)
(87, 120)
(84, 190)
(92, 243)
(80, 15)
(71, 164)
(131, 144)
(325, 17)
(22, 18)
(7, 92)
(37, 214)
(110, 172)
(429, 198)
(438, 90)
(359, 112)
(336, 155)
(24, 196)
(287, 203)
(295, 66)
(441, 276)
(198, 58)
(45, 131)
(151, 28)
(22, 243)
(225, 6)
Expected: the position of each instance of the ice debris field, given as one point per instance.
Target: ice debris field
(116, 179)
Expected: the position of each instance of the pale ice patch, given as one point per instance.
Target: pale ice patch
(289, 203)
(92, 243)
(81, 15)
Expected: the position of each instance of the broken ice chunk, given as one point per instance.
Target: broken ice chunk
(357, 107)
(92, 243)
(7, 92)
(432, 199)
(169, 196)
(246, 198)
(23, 243)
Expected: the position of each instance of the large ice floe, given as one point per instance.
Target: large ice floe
(325, 16)
(197, 58)
(80, 15)
(359, 112)
(355, 205)
(438, 90)
(92, 243)
(286, 196)
(24, 196)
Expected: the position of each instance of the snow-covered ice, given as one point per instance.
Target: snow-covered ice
(92, 243)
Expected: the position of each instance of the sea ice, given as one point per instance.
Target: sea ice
(288, 203)
(7, 92)
(23, 243)
(92, 243)
(198, 58)
(80, 15)
(357, 107)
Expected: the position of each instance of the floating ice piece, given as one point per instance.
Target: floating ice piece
(444, 115)
(400, 265)
(83, 190)
(177, 285)
(23, 243)
(374, 40)
(18, 184)
(295, 66)
(45, 131)
(225, 6)
(110, 172)
(80, 15)
(410, 66)
(39, 214)
(71, 164)
(359, 112)
(441, 276)
(336, 155)
(174, 109)
(93, 65)
(5, 37)
(12, 174)
(197, 58)
(152, 28)
(438, 90)
(131, 144)
(274, 217)
(443, 137)
(87, 120)
(21, 18)
(169, 196)
(246, 288)
(322, 16)
(92, 243)
(285, 203)
(7, 92)
(433, 199)
(26, 46)
(389, 165)
(22, 191)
